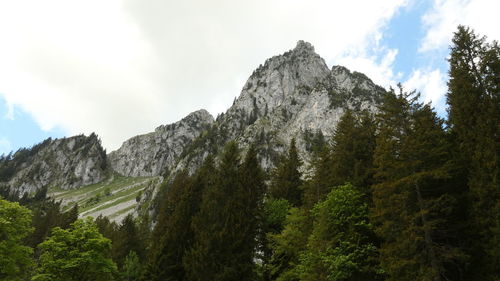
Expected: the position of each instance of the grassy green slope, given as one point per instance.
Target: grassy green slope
(115, 197)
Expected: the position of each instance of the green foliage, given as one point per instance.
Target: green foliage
(288, 245)
(275, 213)
(131, 268)
(226, 226)
(127, 239)
(78, 253)
(349, 158)
(473, 99)
(15, 225)
(412, 201)
(173, 235)
(340, 246)
(286, 179)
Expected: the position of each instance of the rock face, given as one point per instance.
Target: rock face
(65, 163)
(151, 154)
(293, 95)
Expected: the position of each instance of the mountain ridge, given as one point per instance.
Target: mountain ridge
(292, 95)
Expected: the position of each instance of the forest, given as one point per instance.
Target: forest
(401, 194)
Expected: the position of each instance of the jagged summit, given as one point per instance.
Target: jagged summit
(303, 46)
(151, 154)
(292, 95)
(201, 115)
(64, 163)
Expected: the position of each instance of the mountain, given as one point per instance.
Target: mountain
(150, 154)
(293, 95)
(64, 163)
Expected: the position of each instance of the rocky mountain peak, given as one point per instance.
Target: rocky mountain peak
(154, 153)
(304, 47)
(292, 95)
(65, 163)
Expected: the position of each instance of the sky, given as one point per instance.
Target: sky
(123, 67)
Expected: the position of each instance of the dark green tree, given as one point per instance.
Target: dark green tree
(286, 182)
(226, 224)
(474, 110)
(348, 158)
(126, 240)
(173, 234)
(131, 267)
(412, 203)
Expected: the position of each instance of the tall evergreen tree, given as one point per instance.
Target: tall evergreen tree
(286, 180)
(173, 234)
(348, 158)
(225, 225)
(474, 119)
(127, 240)
(411, 200)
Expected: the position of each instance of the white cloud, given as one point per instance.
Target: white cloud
(124, 67)
(430, 83)
(445, 15)
(379, 70)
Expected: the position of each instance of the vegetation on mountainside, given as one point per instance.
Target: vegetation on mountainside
(400, 194)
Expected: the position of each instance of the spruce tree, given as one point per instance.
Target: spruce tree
(474, 114)
(173, 234)
(225, 225)
(411, 200)
(286, 180)
(348, 158)
(127, 239)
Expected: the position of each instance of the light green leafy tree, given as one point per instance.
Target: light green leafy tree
(15, 224)
(340, 246)
(79, 253)
(131, 267)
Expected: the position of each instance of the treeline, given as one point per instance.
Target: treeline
(400, 194)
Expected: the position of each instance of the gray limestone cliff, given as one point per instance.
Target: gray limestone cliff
(154, 153)
(293, 95)
(63, 163)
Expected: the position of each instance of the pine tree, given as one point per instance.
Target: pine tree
(474, 114)
(411, 200)
(286, 180)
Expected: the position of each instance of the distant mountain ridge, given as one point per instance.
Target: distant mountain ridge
(64, 163)
(292, 95)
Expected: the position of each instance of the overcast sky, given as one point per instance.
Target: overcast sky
(123, 67)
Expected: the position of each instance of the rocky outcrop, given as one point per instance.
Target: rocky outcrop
(293, 95)
(154, 153)
(63, 163)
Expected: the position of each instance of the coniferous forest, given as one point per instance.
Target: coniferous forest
(397, 195)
